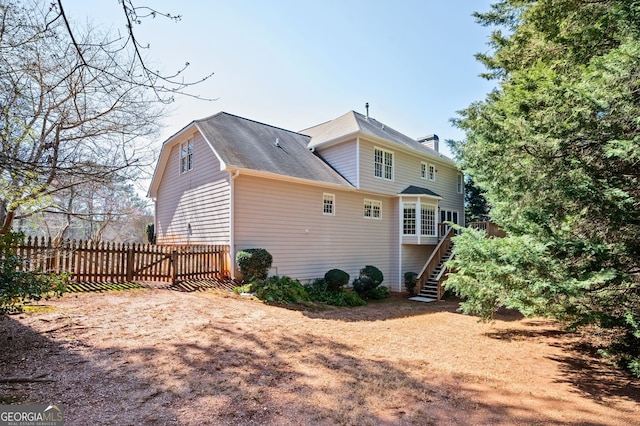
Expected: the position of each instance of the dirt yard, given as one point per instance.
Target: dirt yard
(161, 357)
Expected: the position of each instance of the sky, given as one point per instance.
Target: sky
(295, 64)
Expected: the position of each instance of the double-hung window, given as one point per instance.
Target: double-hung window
(459, 184)
(431, 172)
(372, 209)
(419, 217)
(328, 204)
(409, 219)
(186, 156)
(428, 220)
(383, 164)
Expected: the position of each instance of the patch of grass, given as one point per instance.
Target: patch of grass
(9, 399)
(38, 309)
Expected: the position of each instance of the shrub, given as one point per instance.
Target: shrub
(351, 298)
(151, 233)
(280, 289)
(372, 273)
(254, 263)
(246, 288)
(319, 291)
(380, 292)
(410, 281)
(370, 278)
(336, 279)
(18, 287)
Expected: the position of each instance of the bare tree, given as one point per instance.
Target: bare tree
(96, 212)
(76, 104)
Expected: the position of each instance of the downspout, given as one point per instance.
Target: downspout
(358, 162)
(232, 239)
(400, 230)
(419, 219)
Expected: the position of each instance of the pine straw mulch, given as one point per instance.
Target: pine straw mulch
(157, 357)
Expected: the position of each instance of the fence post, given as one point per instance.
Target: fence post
(130, 263)
(174, 265)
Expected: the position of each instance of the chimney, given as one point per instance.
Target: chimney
(431, 141)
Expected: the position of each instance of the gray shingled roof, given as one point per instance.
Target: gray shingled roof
(416, 190)
(248, 144)
(354, 122)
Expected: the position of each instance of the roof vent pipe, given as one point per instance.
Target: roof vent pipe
(366, 106)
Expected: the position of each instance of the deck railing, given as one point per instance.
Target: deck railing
(442, 247)
(492, 229)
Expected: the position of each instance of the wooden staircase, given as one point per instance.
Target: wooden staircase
(431, 288)
(433, 274)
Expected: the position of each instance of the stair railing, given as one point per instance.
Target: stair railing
(433, 261)
(442, 276)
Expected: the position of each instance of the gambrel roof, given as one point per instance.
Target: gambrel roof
(243, 144)
(246, 144)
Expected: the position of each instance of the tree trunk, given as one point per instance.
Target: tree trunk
(8, 220)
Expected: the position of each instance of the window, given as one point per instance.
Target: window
(383, 164)
(409, 219)
(372, 209)
(460, 184)
(423, 170)
(328, 204)
(428, 220)
(449, 216)
(431, 172)
(186, 156)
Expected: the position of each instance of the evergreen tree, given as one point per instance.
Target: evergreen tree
(476, 208)
(556, 147)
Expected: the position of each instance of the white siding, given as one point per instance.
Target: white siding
(414, 257)
(286, 219)
(407, 172)
(343, 158)
(193, 207)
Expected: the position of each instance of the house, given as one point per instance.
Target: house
(343, 194)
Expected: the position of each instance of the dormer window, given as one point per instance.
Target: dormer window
(186, 156)
(383, 164)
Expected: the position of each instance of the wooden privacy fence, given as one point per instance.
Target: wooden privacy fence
(86, 261)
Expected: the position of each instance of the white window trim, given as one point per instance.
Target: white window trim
(460, 183)
(384, 165)
(431, 176)
(424, 167)
(412, 206)
(434, 207)
(326, 196)
(188, 158)
(372, 204)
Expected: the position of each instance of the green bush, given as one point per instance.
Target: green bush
(246, 288)
(410, 282)
(280, 289)
(370, 278)
(351, 298)
(380, 292)
(17, 287)
(254, 263)
(319, 291)
(373, 274)
(336, 279)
